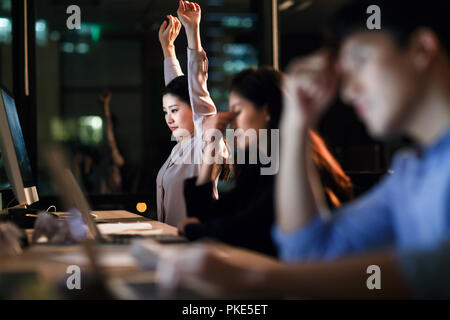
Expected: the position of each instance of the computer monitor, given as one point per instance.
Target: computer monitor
(14, 154)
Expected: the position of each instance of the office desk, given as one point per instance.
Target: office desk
(50, 262)
(113, 216)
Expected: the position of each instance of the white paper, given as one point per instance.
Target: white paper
(141, 228)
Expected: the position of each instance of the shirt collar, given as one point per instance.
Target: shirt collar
(441, 143)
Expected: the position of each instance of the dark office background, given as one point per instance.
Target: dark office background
(117, 48)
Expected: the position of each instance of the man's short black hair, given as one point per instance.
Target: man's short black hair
(399, 18)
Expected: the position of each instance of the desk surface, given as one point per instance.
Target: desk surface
(50, 262)
(126, 216)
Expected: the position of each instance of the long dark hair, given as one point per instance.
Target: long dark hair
(263, 87)
(179, 88)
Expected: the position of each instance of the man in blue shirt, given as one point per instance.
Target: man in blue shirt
(398, 80)
(409, 210)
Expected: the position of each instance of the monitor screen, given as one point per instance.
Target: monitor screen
(4, 181)
(19, 142)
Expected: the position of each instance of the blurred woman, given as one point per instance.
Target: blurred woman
(112, 181)
(244, 216)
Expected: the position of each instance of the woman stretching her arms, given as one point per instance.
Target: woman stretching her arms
(186, 102)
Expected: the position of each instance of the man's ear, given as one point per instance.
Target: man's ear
(425, 48)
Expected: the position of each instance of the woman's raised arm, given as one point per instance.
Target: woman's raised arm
(168, 32)
(202, 105)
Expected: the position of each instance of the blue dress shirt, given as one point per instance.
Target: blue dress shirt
(409, 210)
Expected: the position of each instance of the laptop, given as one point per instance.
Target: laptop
(73, 197)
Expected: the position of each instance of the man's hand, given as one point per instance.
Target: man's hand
(203, 268)
(190, 14)
(169, 31)
(311, 85)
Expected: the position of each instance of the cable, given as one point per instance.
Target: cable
(48, 209)
(52, 206)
